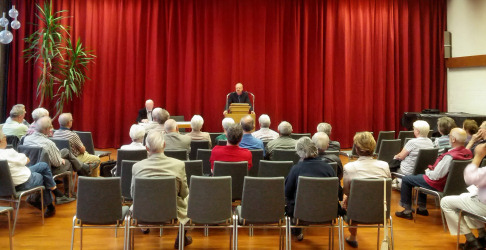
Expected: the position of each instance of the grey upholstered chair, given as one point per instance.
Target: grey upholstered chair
(365, 205)
(126, 180)
(8, 192)
(286, 155)
(209, 204)
(153, 209)
(8, 210)
(471, 215)
(222, 142)
(389, 148)
(213, 138)
(99, 205)
(61, 143)
(204, 155)
(237, 171)
(425, 157)
(87, 140)
(316, 205)
(274, 168)
(402, 135)
(195, 145)
(257, 156)
(455, 185)
(193, 168)
(383, 135)
(297, 136)
(262, 206)
(134, 155)
(177, 154)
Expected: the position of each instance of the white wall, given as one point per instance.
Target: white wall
(466, 87)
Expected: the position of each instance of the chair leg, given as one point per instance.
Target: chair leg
(391, 233)
(378, 238)
(414, 211)
(72, 233)
(331, 229)
(206, 230)
(9, 230)
(181, 236)
(80, 238)
(161, 231)
(443, 217)
(42, 206)
(16, 217)
(459, 228)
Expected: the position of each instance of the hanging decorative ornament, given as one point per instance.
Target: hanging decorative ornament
(6, 36)
(3, 20)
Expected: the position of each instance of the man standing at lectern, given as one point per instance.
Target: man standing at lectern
(239, 96)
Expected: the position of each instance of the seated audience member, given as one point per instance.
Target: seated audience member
(471, 128)
(174, 140)
(311, 166)
(225, 123)
(15, 125)
(284, 141)
(137, 133)
(159, 165)
(145, 114)
(474, 202)
(21, 106)
(60, 161)
(196, 135)
(322, 143)
(444, 125)
(77, 147)
(364, 167)
(25, 178)
(248, 141)
(435, 176)
(36, 115)
(326, 128)
(265, 133)
(409, 153)
(478, 138)
(160, 116)
(231, 152)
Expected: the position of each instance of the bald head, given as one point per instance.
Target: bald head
(149, 104)
(170, 126)
(239, 88)
(457, 137)
(247, 123)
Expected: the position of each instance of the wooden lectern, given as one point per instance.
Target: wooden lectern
(238, 111)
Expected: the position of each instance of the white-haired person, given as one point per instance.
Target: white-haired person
(159, 116)
(196, 134)
(14, 125)
(25, 178)
(225, 124)
(145, 114)
(321, 140)
(327, 128)
(364, 167)
(474, 202)
(311, 166)
(36, 115)
(435, 176)
(284, 141)
(265, 133)
(408, 155)
(174, 140)
(21, 106)
(77, 147)
(137, 133)
(159, 165)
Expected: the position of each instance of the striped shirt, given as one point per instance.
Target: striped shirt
(40, 140)
(442, 142)
(265, 134)
(73, 138)
(413, 146)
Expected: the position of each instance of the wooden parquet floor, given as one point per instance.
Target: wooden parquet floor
(426, 233)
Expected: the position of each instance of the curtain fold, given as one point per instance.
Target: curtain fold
(357, 64)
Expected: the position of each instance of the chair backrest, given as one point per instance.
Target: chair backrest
(195, 145)
(316, 199)
(455, 184)
(365, 202)
(389, 148)
(274, 168)
(297, 136)
(193, 168)
(383, 135)
(402, 135)
(152, 207)
(425, 157)
(334, 166)
(332, 152)
(237, 171)
(13, 140)
(265, 144)
(204, 155)
(483, 162)
(213, 138)
(134, 155)
(126, 178)
(210, 199)
(35, 154)
(222, 142)
(99, 200)
(286, 155)
(61, 143)
(7, 187)
(87, 140)
(263, 199)
(177, 154)
(177, 118)
(256, 156)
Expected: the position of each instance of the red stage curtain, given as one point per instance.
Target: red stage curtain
(357, 64)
